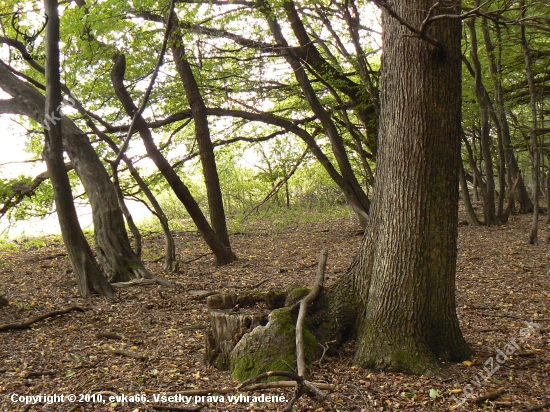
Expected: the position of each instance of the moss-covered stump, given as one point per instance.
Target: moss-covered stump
(271, 347)
(231, 316)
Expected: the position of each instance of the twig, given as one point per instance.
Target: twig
(197, 258)
(27, 324)
(257, 285)
(129, 353)
(149, 87)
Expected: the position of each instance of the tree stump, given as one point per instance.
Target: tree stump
(231, 316)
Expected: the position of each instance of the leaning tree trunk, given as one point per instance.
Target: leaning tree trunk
(204, 142)
(113, 247)
(406, 273)
(472, 217)
(88, 274)
(482, 98)
(222, 254)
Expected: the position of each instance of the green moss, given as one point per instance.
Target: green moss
(296, 294)
(275, 348)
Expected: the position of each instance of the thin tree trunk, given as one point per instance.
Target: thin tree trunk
(328, 125)
(222, 254)
(495, 69)
(489, 205)
(88, 273)
(169, 245)
(204, 142)
(129, 219)
(472, 217)
(533, 236)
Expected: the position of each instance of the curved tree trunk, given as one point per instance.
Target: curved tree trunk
(482, 98)
(472, 217)
(169, 245)
(223, 254)
(495, 68)
(138, 239)
(204, 142)
(115, 254)
(88, 274)
(358, 199)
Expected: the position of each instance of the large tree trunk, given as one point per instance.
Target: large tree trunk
(398, 297)
(88, 274)
(113, 247)
(407, 271)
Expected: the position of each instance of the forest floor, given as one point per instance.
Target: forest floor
(503, 298)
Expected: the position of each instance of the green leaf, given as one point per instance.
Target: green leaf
(434, 393)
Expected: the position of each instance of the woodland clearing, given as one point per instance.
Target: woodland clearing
(503, 297)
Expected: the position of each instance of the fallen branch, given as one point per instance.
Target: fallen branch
(136, 282)
(108, 335)
(27, 324)
(248, 387)
(204, 295)
(311, 296)
(537, 407)
(197, 258)
(35, 374)
(488, 396)
(129, 353)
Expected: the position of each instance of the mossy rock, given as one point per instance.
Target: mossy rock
(271, 347)
(296, 294)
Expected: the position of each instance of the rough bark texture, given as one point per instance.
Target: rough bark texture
(406, 273)
(88, 274)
